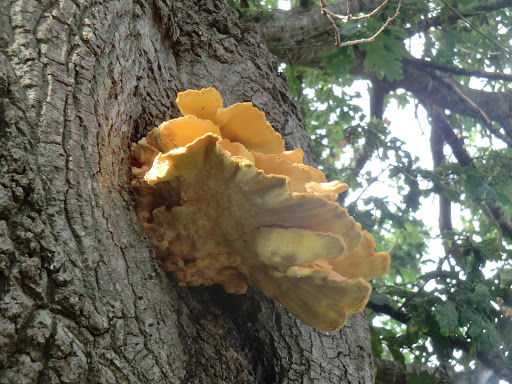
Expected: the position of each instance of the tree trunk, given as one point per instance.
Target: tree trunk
(82, 299)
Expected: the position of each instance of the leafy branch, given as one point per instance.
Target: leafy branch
(440, 21)
(501, 47)
(490, 209)
(427, 64)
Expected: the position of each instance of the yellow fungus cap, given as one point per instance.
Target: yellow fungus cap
(296, 156)
(223, 203)
(283, 248)
(179, 132)
(247, 125)
(203, 104)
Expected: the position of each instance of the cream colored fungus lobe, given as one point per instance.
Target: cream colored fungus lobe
(223, 203)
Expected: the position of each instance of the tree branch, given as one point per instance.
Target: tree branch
(299, 35)
(436, 21)
(437, 141)
(484, 357)
(444, 92)
(389, 310)
(378, 93)
(445, 205)
(393, 372)
(449, 137)
(459, 15)
(497, 213)
(420, 63)
(491, 210)
(307, 39)
(489, 7)
(479, 112)
(327, 15)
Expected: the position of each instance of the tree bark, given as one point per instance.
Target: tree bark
(81, 297)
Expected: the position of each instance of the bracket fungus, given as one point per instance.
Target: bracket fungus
(222, 202)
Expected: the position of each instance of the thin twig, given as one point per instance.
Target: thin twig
(319, 102)
(372, 39)
(371, 182)
(337, 39)
(350, 18)
(406, 301)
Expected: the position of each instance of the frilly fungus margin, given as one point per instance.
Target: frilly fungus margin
(222, 202)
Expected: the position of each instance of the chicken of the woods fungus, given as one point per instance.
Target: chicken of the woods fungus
(223, 203)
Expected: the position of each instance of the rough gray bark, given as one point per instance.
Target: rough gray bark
(302, 35)
(81, 297)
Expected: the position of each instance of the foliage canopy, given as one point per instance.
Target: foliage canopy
(447, 299)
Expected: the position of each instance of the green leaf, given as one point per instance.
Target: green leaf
(340, 61)
(450, 193)
(385, 212)
(376, 341)
(506, 277)
(383, 56)
(294, 83)
(379, 299)
(396, 353)
(412, 199)
(477, 189)
(504, 198)
(481, 297)
(422, 378)
(448, 318)
(349, 29)
(474, 320)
